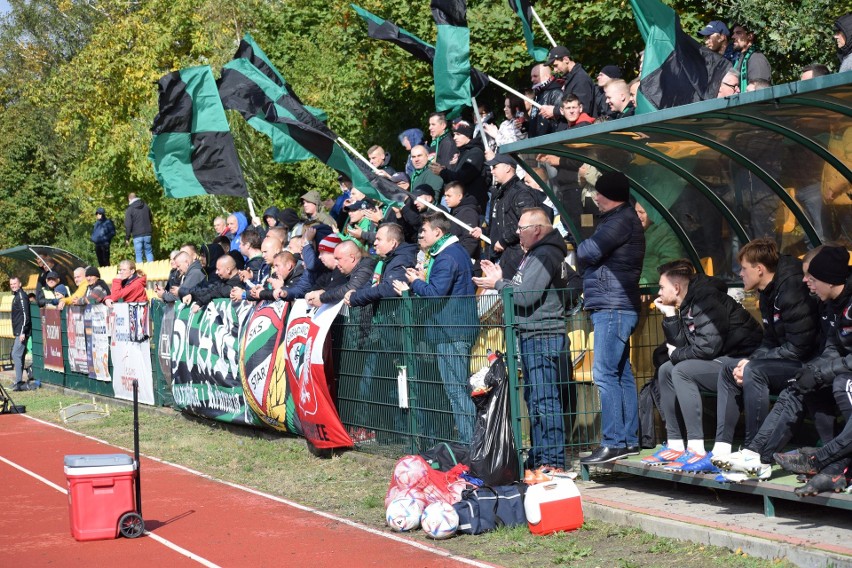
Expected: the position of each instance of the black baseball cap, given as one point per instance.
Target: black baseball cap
(557, 52)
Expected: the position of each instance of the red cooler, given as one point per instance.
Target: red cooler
(100, 491)
(553, 506)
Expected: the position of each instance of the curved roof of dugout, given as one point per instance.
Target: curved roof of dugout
(775, 162)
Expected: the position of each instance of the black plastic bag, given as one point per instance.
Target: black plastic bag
(493, 455)
(446, 455)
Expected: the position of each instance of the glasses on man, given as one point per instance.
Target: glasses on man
(522, 228)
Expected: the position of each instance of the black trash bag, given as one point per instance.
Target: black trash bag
(493, 455)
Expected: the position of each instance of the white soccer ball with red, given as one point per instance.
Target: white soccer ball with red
(439, 521)
(403, 514)
(411, 472)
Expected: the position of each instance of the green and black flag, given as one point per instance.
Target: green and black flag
(192, 149)
(377, 28)
(677, 70)
(296, 133)
(451, 67)
(523, 9)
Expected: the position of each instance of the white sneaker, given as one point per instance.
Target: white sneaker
(748, 462)
(764, 473)
(733, 477)
(723, 461)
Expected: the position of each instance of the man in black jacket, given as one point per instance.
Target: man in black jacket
(353, 272)
(442, 144)
(548, 93)
(827, 276)
(21, 330)
(574, 80)
(791, 336)
(138, 223)
(469, 169)
(465, 208)
(507, 204)
(226, 270)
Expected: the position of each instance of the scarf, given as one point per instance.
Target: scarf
(434, 143)
(744, 68)
(436, 248)
(377, 272)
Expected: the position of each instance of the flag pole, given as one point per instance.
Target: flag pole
(513, 91)
(478, 120)
(540, 23)
(377, 171)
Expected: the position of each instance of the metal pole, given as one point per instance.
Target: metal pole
(478, 120)
(513, 91)
(541, 24)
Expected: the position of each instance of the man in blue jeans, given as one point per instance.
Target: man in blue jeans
(539, 299)
(138, 223)
(611, 264)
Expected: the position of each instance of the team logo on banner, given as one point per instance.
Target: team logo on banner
(263, 368)
(306, 370)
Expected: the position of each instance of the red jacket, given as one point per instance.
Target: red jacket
(130, 290)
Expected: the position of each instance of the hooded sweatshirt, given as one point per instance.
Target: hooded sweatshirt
(415, 138)
(844, 25)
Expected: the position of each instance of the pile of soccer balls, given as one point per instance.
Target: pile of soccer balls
(438, 520)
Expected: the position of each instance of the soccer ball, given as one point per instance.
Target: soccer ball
(403, 514)
(411, 472)
(439, 521)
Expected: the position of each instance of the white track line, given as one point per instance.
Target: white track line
(161, 540)
(354, 524)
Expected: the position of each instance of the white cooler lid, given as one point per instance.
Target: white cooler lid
(97, 460)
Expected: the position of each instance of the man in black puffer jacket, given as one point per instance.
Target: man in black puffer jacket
(548, 92)
(791, 331)
(610, 262)
(702, 323)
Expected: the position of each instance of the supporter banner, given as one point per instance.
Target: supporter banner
(131, 352)
(51, 336)
(164, 352)
(76, 331)
(263, 368)
(205, 363)
(87, 323)
(308, 377)
(100, 341)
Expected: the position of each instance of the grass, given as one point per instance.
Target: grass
(353, 485)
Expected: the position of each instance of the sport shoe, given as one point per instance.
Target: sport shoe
(731, 477)
(663, 456)
(746, 462)
(796, 462)
(822, 483)
(701, 465)
(686, 457)
(763, 473)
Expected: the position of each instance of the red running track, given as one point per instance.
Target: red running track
(192, 520)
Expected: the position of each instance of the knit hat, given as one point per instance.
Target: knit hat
(329, 243)
(92, 271)
(312, 196)
(465, 129)
(613, 186)
(830, 265)
(612, 71)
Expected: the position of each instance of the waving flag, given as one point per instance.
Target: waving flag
(677, 70)
(192, 149)
(377, 28)
(451, 67)
(523, 8)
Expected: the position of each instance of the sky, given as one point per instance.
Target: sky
(4, 6)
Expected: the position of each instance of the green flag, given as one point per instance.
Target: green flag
(192, 150)
(523, 9)
(451, 66)
(677, 70)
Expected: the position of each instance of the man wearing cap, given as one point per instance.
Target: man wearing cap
(827, 276)
(610, 262)
(470, 168)
(318, 263)
(716, 38)
(97, 290)
(21, 330)
(508, 202)
(442, 145)
(402, 180)
(313, 209)
(360, 227)
(102, 235)
(51, 295)
(828, 463)
(750, 64)
(422, 174)
(574, 80)
(606, 74)
(548, 93)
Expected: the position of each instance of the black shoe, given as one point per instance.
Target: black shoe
(18, 387)
(632, 451)
(604, 455)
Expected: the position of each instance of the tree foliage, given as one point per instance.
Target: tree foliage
(78, 92)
